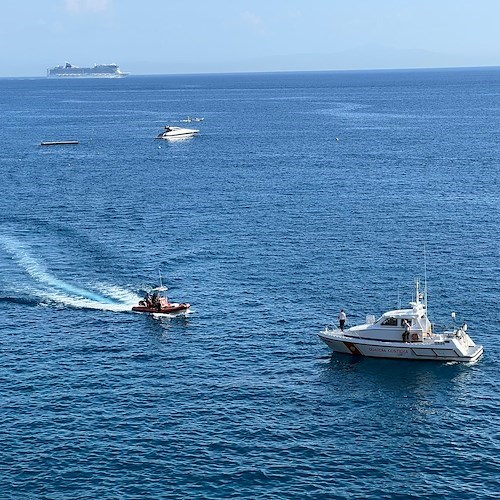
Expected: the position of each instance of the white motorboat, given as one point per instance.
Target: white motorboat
(384, 338)
(176, 132)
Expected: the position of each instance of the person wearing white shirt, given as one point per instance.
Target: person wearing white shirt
(342, 319)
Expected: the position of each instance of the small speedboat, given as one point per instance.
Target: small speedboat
(404, 334)
(189, 119)
(176, 132)
(158, 303)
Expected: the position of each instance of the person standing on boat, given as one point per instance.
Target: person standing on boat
(406, 333)
(342, 319)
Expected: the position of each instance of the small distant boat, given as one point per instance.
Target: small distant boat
(158, 303)
(176, 132)
(189, 120)
(404, 334)
(57, 143)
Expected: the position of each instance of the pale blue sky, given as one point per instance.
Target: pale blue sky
(197, 36)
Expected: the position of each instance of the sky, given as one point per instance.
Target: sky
(225, 36)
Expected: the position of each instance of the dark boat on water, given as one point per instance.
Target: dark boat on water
(58, 143)
(158, 303)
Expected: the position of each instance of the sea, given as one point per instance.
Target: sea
(303, 193)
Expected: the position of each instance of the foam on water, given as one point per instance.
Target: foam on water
(83, 303)
(57, 290)
(120, 294)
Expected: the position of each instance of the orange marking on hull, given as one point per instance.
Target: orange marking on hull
(353, 348)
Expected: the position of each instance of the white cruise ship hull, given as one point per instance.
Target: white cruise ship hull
(97, 71)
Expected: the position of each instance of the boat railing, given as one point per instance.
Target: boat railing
(338, 331)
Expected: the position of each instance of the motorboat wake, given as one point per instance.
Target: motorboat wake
(44, 287)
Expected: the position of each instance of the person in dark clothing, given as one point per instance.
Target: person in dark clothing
(406, 333)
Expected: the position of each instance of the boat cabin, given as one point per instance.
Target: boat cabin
(391, 325)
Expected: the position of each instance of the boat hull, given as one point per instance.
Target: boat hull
(177, 133)
(428, 351)
(177, 136)
(170, 309)
(98, 71)
(58, 143)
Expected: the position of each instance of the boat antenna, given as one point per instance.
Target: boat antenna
(425, 280)
(159, 273)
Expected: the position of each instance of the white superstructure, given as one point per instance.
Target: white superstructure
(97, 71)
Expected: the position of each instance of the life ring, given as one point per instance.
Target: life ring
(414, 337)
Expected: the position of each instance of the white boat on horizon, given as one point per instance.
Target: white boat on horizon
(177, 132)
(97, 71)
(384, 338)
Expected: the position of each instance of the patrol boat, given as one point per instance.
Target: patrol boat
(158, 303)
(384, 338)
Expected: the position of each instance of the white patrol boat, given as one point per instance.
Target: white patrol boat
(404, 334)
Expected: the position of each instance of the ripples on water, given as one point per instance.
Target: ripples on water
(267, 225)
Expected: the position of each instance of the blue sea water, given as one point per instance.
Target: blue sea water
(268, 225)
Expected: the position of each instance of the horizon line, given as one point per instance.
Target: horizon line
(194, 73)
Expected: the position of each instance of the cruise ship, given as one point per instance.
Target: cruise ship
(98, 71)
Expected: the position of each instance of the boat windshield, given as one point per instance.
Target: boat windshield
(390, 322)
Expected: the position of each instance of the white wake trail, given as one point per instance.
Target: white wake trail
(114, 298)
